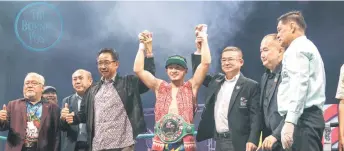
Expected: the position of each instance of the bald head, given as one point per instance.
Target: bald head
(83, 72)
(81, 79)
(271, 37)
(271, 52)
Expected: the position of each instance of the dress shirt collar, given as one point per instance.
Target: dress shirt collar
(78, 96)
(111, 80)
(236, 77)
(298, 39)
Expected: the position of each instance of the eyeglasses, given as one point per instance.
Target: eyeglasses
(224, 60)
(105, 63)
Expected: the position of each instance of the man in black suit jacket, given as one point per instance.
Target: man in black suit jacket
(231, 107)
(74, 137)
(271, 121)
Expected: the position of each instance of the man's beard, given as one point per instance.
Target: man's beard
(30, 95)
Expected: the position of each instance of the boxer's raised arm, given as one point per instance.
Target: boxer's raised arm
(146, 77)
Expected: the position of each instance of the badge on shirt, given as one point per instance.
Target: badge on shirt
(237, 87)
(285, 74)
(243, 102)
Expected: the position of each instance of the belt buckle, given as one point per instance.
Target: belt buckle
(225, 135)
(171, 128)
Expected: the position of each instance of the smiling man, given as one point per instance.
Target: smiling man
(50, 94)
(112, 107)
(231, 113)
(32, 121)
(176, 101)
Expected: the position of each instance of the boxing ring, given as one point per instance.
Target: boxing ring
(330, 139)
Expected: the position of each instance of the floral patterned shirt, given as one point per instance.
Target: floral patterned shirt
(34, 113)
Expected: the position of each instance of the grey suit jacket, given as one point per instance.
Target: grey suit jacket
(69, 133)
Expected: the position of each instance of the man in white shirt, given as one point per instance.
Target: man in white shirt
(231, 115)
(340, 97)
(301, 94)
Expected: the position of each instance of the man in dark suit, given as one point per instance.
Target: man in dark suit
(271, 54)
(231, 106)
(74, 137)
(32, 121)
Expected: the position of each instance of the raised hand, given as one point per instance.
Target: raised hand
(146, 38)
(3, 113)
(201, 35)
(69, 118)
(64, 111)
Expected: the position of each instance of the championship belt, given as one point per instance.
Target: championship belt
(171, 128)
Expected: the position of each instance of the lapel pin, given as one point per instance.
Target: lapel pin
(275, 80)
(237, 87)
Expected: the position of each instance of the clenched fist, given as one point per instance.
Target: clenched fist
(146, 38)
(64, 111)
(201, 35)
(69, 118)
(3, 113)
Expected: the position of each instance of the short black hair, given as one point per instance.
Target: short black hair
(113, 52)
(295, 16)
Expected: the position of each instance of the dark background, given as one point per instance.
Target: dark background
(89, 26)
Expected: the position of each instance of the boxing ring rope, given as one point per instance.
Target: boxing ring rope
(3, 138)
(327, 136)
(140, 136)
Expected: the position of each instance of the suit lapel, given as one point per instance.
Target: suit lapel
(236, 90)
(45, 111)
(263, 83)
(276, 81)
(215, 90)
(22, 106)
(74, 102)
